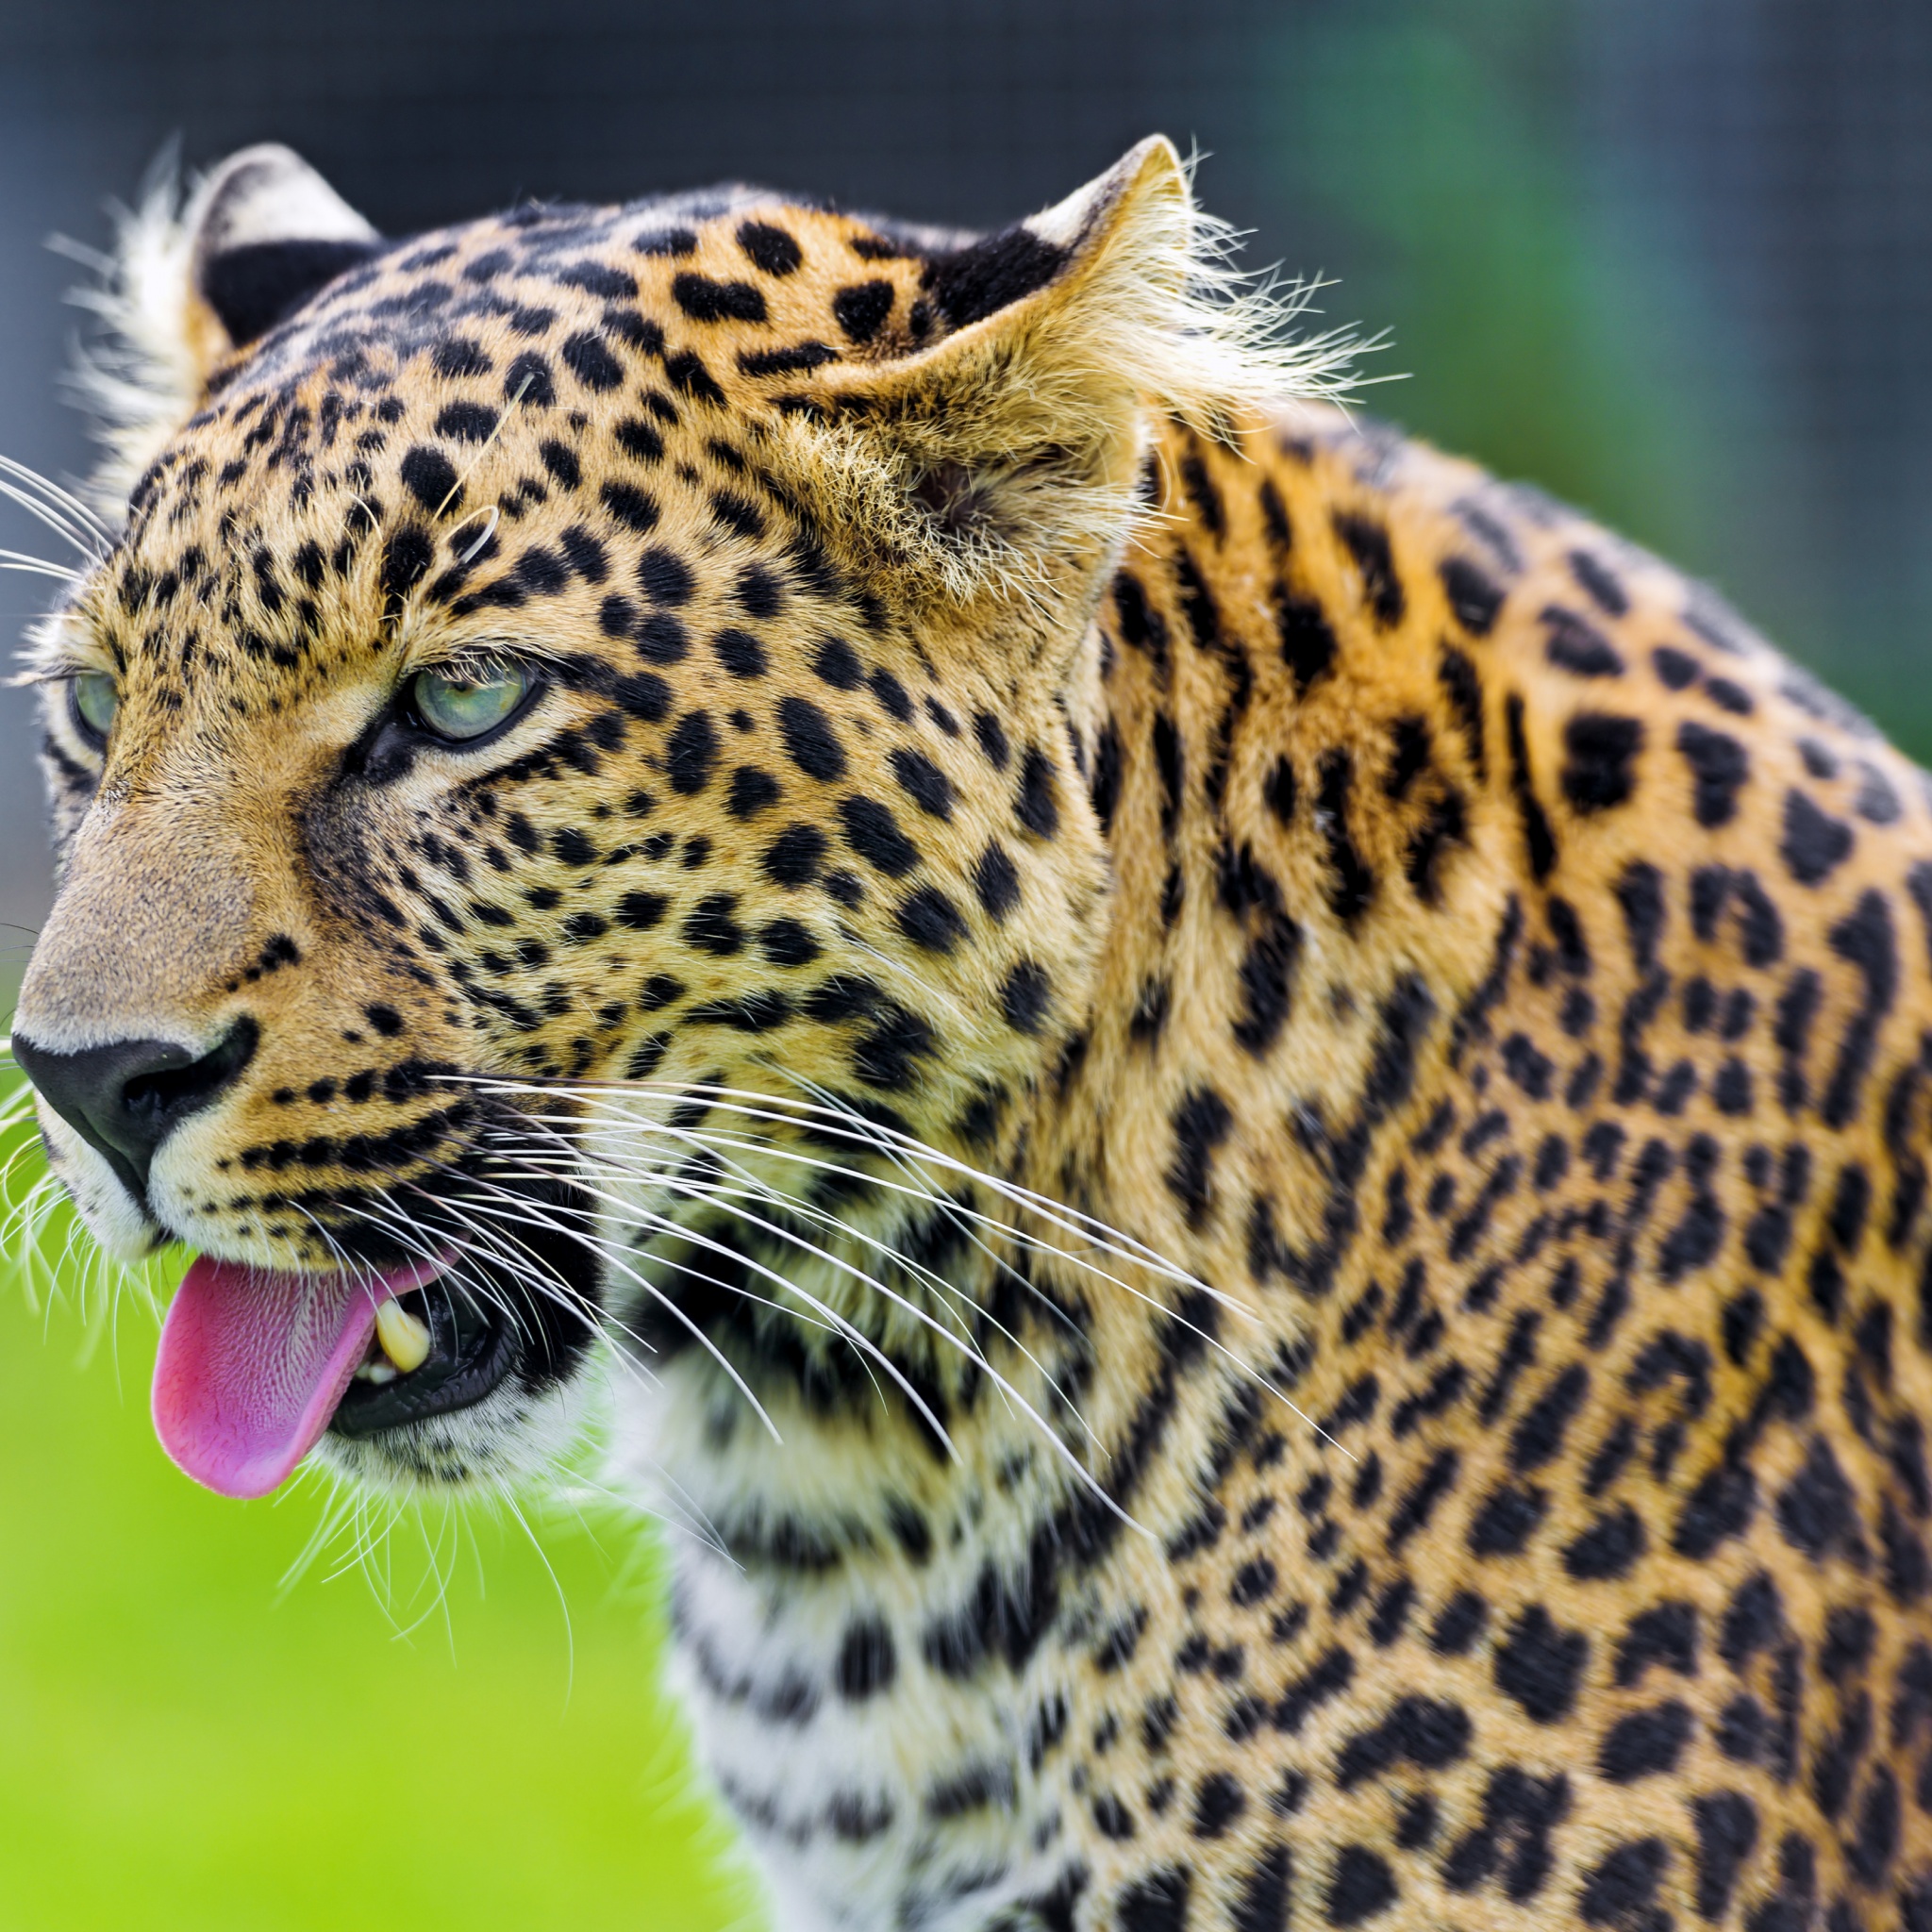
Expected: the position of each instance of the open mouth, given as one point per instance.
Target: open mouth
(433, 1349)
(256, 1364)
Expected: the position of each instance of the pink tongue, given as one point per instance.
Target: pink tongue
(252, 1365)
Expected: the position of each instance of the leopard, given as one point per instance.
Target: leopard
(1234, 1121)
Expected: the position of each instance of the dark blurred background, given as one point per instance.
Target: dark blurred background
(1669, 258)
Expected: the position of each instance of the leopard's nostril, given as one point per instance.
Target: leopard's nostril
(124, 1098)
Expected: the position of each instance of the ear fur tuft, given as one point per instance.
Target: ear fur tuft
(190, 281)
(1192, 334)
(141, 380)
(269, 232)
(1002, 460)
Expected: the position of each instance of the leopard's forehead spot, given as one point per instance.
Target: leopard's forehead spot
(495, 413)
(544, 308)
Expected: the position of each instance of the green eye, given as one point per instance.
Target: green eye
(95, 700)
(459, 708)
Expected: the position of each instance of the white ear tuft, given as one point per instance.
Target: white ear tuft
(141, 379)
(1191, 333)
(188, 285)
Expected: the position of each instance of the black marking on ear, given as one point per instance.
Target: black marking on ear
(972, 282)
(261, 283)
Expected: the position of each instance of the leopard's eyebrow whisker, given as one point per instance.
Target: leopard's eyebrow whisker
(49, 512)
(76, 514)
(491, 514)
(463, 475)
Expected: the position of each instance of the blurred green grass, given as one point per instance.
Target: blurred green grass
(183, 1746)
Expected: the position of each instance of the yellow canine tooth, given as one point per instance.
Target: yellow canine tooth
(405, 1339)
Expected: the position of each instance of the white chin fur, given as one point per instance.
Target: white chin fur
(510, 1439)
(121, 1228)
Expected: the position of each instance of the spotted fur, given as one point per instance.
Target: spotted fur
(1489, 992)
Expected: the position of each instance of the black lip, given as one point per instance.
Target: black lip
(488, 1324)
(471, 1351)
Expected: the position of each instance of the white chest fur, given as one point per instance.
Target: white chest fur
(842, 1659)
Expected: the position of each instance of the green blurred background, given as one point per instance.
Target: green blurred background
(457, 1731)
(1669, 258)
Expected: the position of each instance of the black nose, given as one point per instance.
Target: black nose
(126, 1097)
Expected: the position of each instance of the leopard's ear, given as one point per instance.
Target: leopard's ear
(1001, 461)
(191, 285)
(268, 231)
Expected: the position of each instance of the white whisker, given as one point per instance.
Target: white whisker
(697, 1334)
(37, 566)
(52, 515)
(607, 1099)
(870, 1349)
(77, 511)
(726, 1199)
